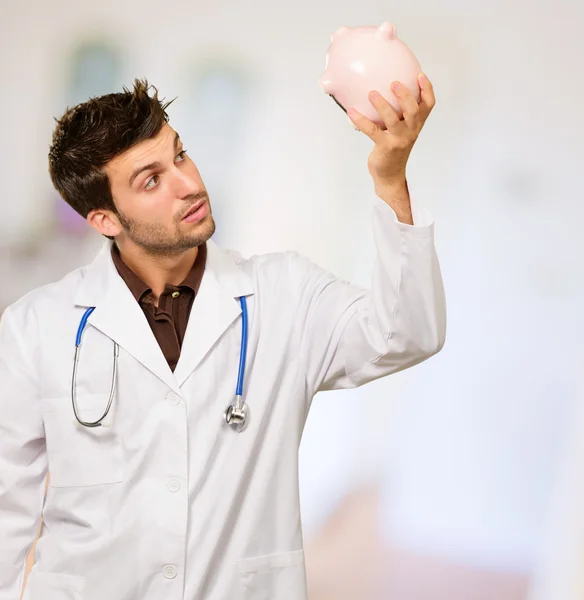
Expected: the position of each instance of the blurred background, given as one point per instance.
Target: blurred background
(460, 479)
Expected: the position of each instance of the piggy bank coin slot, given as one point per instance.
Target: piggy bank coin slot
(338, 103)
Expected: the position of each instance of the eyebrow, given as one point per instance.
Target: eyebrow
(153, 165)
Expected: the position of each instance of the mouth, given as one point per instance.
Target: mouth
(196, 212)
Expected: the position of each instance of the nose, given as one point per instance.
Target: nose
(186, 184)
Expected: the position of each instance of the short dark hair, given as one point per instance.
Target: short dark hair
(91, 134)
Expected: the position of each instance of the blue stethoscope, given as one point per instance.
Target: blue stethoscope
(236, 414)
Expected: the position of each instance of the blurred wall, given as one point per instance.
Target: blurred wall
(467, 446)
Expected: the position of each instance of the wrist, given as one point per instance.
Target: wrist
(396, 185)
(394, 192)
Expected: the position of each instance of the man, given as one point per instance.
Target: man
(152, 494)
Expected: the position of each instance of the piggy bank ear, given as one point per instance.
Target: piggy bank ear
(386, 31)
(340, 31)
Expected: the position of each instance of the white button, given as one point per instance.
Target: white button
(173, 485)
(173, 399)
(170, 571)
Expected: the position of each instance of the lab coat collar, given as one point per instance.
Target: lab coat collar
(215, 308)
(120, 317)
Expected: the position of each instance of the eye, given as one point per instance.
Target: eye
(151, 183)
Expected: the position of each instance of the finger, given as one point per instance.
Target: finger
(427, 96)
(365, 125)
(384, 109)
(407, 102)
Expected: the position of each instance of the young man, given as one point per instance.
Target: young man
(159, 497)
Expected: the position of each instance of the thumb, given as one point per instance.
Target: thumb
(364, 125)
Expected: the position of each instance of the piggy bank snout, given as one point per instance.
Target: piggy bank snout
(326, 83)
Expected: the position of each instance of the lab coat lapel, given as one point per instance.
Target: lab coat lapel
(118, 315)
(215, 308)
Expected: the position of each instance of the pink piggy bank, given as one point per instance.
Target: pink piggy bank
(362, 59)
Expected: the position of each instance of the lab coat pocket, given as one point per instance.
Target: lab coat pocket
(280, 576)
(79, 455)
(53, 586)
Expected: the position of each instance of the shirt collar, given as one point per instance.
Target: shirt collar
(140, 289)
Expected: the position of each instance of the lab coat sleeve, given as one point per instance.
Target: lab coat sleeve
(23, 464)
(350, 336)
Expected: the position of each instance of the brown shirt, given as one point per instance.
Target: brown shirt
(169, 319)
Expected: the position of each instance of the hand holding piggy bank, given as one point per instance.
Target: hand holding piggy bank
(362, 59)
(376, 80)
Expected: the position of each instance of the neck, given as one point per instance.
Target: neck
(157, 271)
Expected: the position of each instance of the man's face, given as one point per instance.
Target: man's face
(155, 187)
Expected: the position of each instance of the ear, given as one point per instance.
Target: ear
(104, 222)
(340, 31)
(386, 31)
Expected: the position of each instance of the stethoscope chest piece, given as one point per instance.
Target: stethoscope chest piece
(236, 415)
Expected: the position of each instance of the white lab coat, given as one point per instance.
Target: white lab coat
(168, 502)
